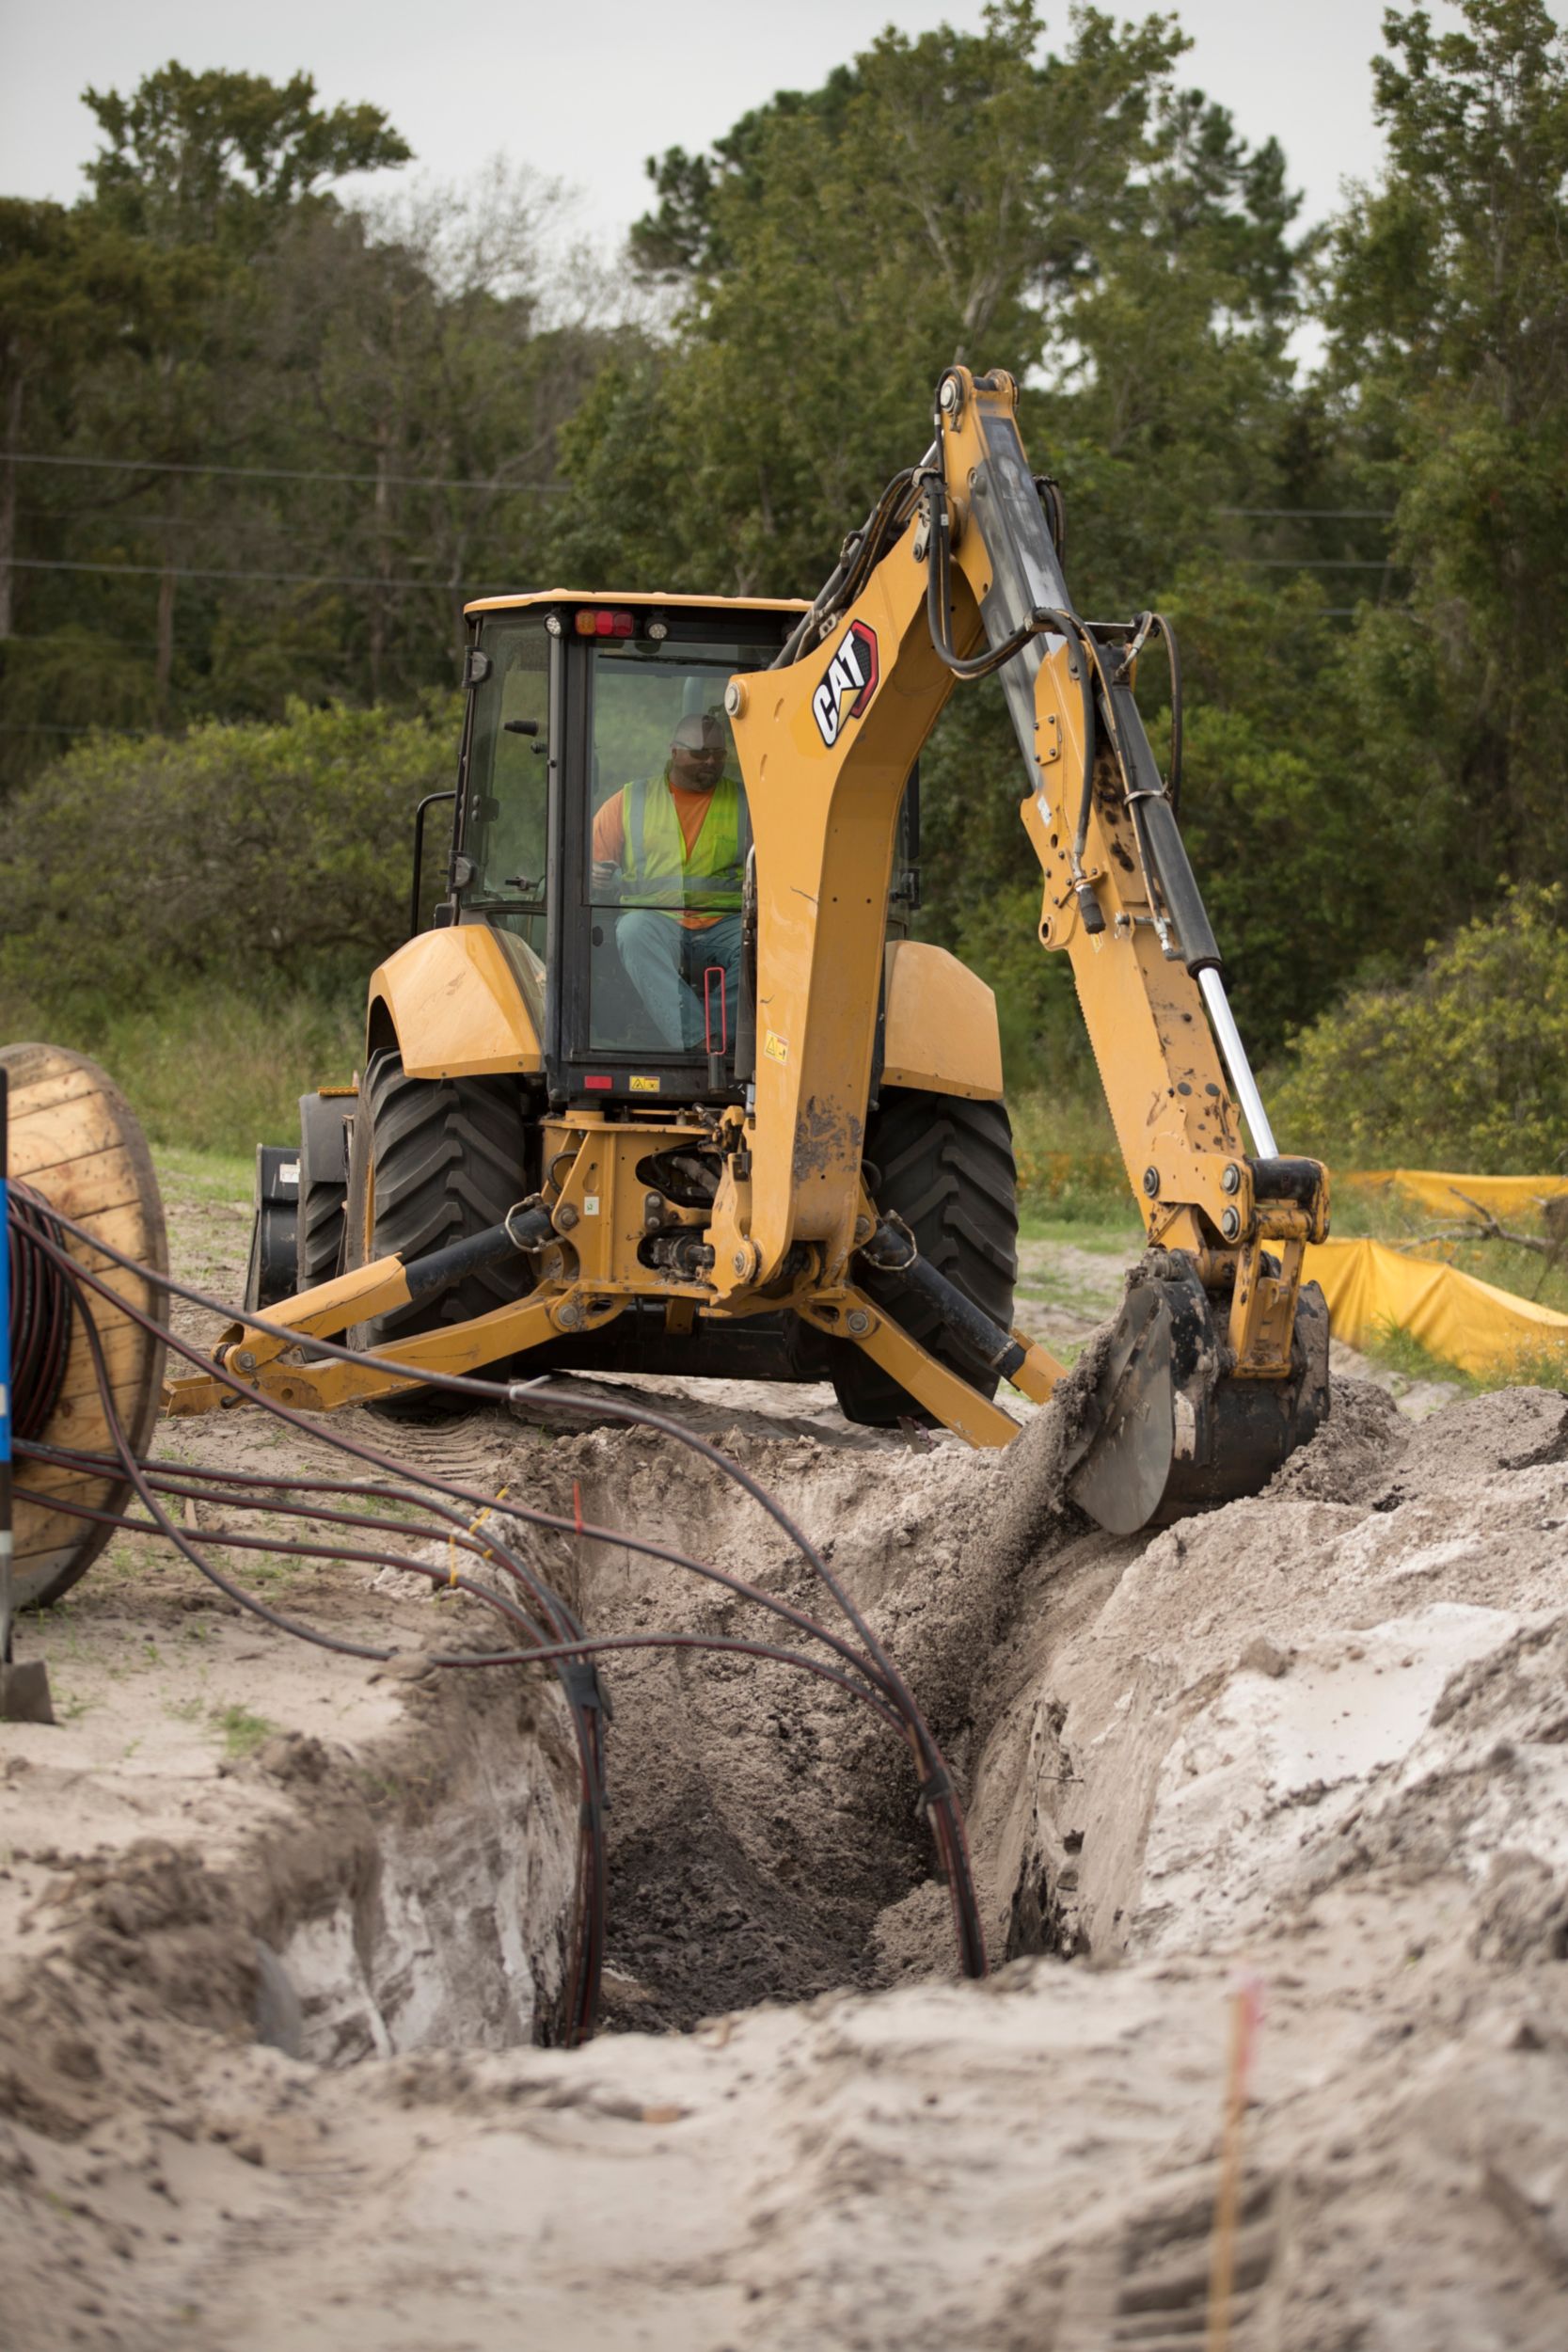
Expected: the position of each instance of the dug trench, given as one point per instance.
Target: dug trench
(270, 2061)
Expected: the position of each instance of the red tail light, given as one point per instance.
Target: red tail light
(601, 621)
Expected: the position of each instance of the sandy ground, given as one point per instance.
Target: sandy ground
(1316, 1741)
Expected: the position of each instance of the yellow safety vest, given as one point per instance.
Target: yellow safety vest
(660, 871)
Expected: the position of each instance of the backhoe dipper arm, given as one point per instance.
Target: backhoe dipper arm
(954, 575)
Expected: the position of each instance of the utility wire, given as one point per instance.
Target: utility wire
(302, 579)
(1318, 563)
(1315, 514)
(541, 489)
(283, 473)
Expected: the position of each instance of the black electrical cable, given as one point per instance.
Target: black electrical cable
(946, 1818)
(566, 1654)
(537, 1653)
(486, 1391)
(188, 1482)
(946, 1815)
(883, 1689)
(40, 1315)
(583, 1978)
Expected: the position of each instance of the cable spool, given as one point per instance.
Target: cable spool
(75, 1146)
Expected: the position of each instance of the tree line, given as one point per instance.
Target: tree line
(287, 434)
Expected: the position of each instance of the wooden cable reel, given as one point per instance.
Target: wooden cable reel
(74, 1141)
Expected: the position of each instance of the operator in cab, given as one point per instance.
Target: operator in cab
(669, 849)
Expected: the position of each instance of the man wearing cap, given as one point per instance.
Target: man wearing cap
(669, 848)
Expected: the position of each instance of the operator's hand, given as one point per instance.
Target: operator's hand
(606, 877)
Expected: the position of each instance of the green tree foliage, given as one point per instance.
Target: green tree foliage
(228, 854)
(1464, 1067)
(1071, 213)
(212, 305)
(221, 158)
(1447, 302)
(417, 404)
(951, 195)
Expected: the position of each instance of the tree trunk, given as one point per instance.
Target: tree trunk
(164, 659)
(8, 512)
(382, 556)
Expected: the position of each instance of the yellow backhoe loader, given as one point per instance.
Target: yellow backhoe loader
(666, 1085)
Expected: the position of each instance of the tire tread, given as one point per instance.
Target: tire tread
(945, 1164)
(451, 1158)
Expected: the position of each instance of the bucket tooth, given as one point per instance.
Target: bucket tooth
(1166, 1432)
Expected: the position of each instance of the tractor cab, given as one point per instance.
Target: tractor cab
(601, 829)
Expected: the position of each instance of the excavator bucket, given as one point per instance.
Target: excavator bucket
(1166, 1430)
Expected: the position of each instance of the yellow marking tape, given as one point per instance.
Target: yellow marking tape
(474, 1526)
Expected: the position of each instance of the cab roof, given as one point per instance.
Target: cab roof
(638, 596)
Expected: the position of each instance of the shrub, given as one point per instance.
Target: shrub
(233, 852)
(1466, 1067)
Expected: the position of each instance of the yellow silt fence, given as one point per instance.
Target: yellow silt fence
(1371, 1287)
(1466, 1322)
(1448, 1195)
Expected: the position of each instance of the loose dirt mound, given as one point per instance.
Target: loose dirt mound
(1319, 1735)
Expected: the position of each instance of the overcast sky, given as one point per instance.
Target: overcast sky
(586, 92)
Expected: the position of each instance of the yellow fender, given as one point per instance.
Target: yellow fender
(465, 1001)
(470, 1000)
(940, 1031)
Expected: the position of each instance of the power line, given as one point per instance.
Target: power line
(1317, 564)
(302, 579)
(284, 474)
(87, 644)
(547, 489)
(134, 518)
(1315, 514)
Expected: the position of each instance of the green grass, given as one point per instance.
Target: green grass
(1069, 1169)
(1393, 1348)
(207, 1175)
(243, 1732)
(1107, 1237)
(209, 1071)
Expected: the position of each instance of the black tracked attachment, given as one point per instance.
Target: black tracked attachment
(1166, 1432)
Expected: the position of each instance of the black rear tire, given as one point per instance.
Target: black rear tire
(945, 1165)
(444, 1158)
(323, 1191)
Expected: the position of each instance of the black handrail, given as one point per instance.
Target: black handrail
(429, 802)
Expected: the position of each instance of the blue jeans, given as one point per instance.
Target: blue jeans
(665, 962)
